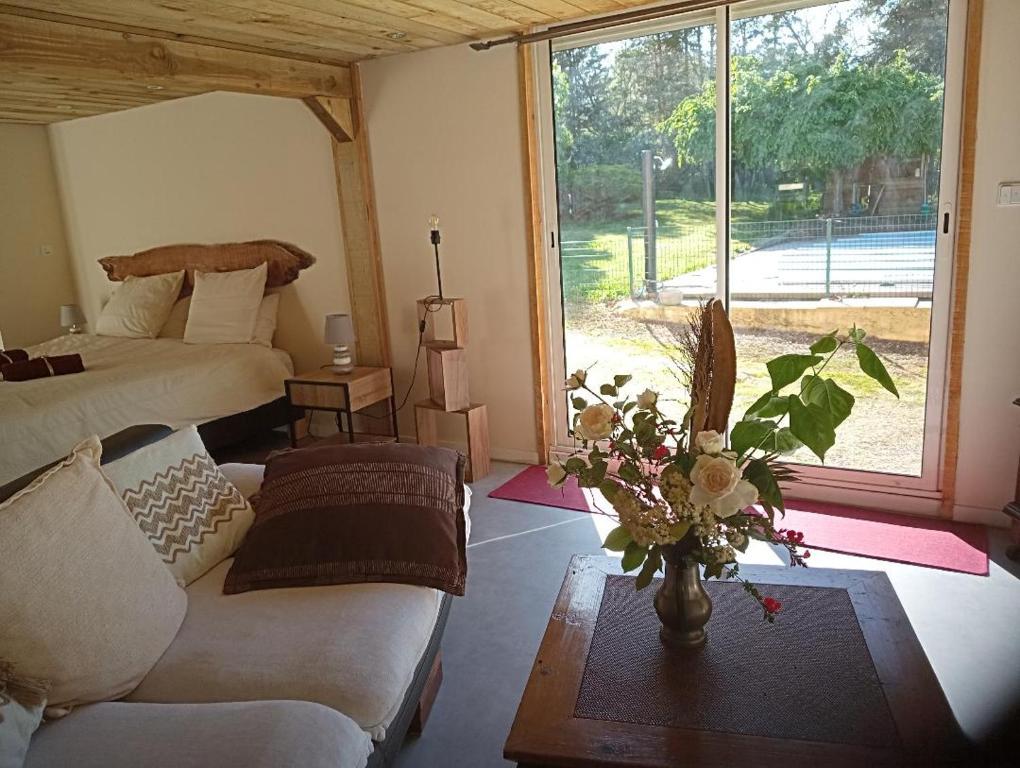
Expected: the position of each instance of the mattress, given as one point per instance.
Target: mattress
(127, 382)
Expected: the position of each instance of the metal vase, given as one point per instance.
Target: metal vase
(682, 603)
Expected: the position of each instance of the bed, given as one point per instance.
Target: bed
(128, 382)
(231, 391)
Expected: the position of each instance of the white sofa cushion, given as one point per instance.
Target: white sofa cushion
(193, 515)
(352, 647)
(85, 602)
(258, 734)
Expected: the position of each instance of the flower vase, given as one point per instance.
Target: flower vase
(682, 603)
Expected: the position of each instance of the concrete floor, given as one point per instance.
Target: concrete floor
(969, 625)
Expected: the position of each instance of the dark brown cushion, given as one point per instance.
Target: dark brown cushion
(344, 514)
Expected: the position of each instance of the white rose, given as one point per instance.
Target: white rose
(647, 399)
(577, 379)
(709, 441)
(743, 495)
(595, 422)
(556, 475)
(713, 477)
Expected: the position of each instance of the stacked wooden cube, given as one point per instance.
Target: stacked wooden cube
(448, 383)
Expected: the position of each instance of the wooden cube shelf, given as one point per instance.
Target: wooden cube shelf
(477, 418)
(429, 308)
(448, 375)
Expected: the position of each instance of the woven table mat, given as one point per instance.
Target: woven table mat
(807, 676)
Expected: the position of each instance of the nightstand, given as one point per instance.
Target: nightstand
(343, 394)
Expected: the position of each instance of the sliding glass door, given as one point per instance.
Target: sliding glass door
(796, 159)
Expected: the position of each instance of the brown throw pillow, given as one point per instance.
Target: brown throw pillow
(344, 514)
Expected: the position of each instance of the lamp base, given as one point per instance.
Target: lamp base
(342, 361)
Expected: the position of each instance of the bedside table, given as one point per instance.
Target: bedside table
(342, 394)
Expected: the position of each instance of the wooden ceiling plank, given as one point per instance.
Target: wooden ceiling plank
(340, 22)
(483, 20)
(388, 15)
(228, 25)
(555, 9)
(30, 46)
(249, 43)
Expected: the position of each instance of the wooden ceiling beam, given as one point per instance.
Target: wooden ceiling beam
(337, 116)
(31, 46)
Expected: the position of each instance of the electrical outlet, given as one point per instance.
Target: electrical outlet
(1009, 193)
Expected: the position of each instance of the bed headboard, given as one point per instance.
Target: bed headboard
(284, 261)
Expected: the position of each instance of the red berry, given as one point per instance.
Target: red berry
(771, 605)
(661, 452)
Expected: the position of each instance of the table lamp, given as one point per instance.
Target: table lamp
(71, 318)
(340, 333)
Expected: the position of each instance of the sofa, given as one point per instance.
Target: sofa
(312, 676)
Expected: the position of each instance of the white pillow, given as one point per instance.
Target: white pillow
(85, 602)
(192, 514)
(265, 321)
(138, 309)
(224, 306)
(17, 724)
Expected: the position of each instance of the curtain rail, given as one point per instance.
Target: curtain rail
(604, 22)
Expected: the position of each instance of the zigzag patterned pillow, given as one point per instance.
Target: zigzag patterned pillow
(193, 515)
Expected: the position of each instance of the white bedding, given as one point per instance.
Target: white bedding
(127, 382)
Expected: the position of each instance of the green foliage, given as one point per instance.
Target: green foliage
(873, 366)
(617, 540)
(815, 412)
(813, 119)
(590, 192)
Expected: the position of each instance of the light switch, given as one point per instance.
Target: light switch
(1009, 193)
(45, 250)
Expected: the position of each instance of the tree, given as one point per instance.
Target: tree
(816, 121)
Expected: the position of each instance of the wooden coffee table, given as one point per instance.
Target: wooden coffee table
(600, 695)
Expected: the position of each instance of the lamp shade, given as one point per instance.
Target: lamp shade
(339, 330)
(70, 314)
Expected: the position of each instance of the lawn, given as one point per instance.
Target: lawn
(686, 242)
(883, 434)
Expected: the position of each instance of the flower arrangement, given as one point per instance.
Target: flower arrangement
(682, 492)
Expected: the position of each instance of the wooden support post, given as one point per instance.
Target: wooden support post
(355, 194)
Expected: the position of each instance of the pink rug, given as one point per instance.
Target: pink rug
(940, 544)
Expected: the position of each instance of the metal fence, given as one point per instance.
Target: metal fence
(867, 256)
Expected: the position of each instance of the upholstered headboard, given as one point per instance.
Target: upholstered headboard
(284, 261)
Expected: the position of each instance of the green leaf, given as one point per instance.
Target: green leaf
(784, 442)
(768, 406)
(679, 530)
(872, 365)
(652, 564)
(593, 476)
(609, 390)
(608, 488)
(617, 540)
(621, 380)
(857, 334)
(829, 395)
(759, 474)
(629, 473)
(746, 435)
(575, 465)
(633, 556)
(786, 369)
(827, 343)
(579, 403)
(812, 425)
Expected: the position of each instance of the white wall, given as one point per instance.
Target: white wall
(989, 423)
(445, 135)
(35, 275)
(214, 168)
